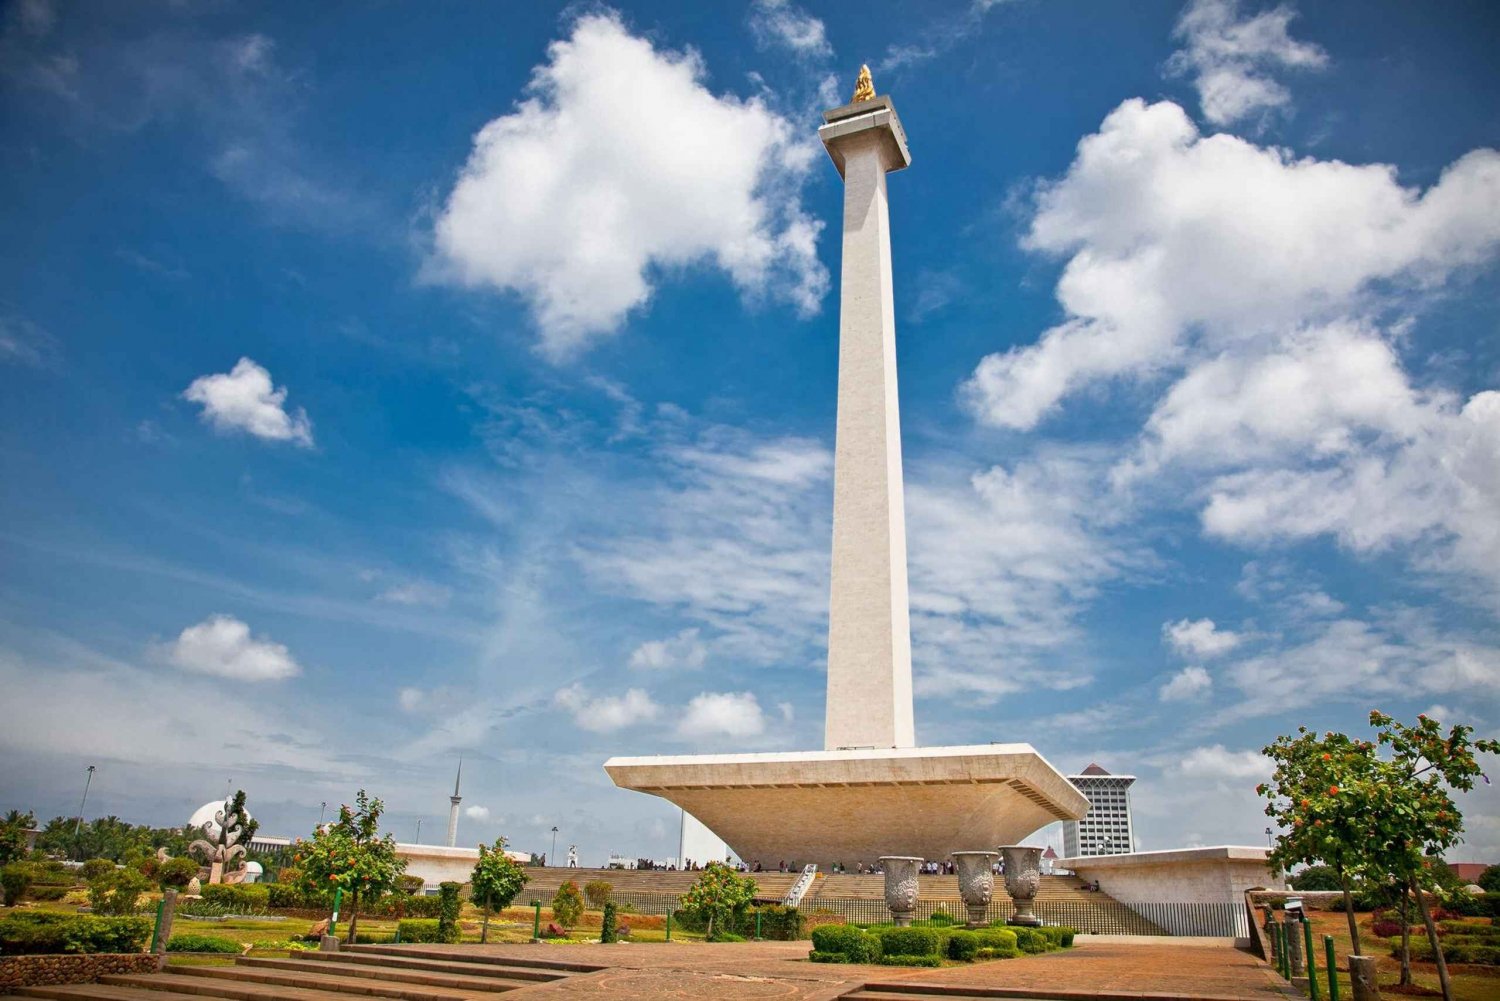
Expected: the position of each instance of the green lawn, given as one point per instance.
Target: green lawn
(1470, 983)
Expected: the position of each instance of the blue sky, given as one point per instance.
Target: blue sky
(384, 384)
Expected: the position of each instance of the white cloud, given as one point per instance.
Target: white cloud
(722, 714)
(1187, 685)
(684, 650)
(477, 812)
(1199, 639)
(780, 23)
(416, 592)
(1231, 58)
(244, 400)
(410, 699)
(1184, 245)
(221, 645)
(607, 713)
(619, 165)
(26, 343)
(1216, 762)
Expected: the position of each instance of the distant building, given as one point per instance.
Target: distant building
(1107, 828)
(1468, 872)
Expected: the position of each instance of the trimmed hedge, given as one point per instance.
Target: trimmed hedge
(963, 946)
(449, 907)
(909, 961)
(419, 930)
(910, 942)
(1060, 935)
(1032, 940)
(997, 943)
(35, 932)
(855, 944)
(609, 923)
(203, 943)
(246, 898)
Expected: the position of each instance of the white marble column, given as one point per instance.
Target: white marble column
(869, 638)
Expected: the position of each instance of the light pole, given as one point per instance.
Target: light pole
(79, 825)
(322, 809)
(419, 830)
(551, 859)
(1268, 837)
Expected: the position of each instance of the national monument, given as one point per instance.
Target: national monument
(871, 791)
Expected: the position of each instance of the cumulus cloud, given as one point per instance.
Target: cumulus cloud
(1215, 762)
(722, 714)
(1231, 58)
(606, 714)
(785, 25)
(1186, 685)
(244, 399)
(221, 645)
(1199, 639)
(1181, 245)
(477, 812)
(619, 165)
(684, 650)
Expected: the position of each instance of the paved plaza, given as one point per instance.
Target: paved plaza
(1123, 967)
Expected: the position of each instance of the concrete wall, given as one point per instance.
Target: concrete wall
(1218, 875)
(437, 864)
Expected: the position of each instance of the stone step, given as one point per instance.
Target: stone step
(102, 992)
(392, 976)
(208, 987)
(345, 982)
(558, 966)
(864, 994)
(435, 964)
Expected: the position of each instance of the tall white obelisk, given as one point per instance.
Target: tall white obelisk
(869, 634)
(453, 802)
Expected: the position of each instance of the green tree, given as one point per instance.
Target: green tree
(176, 873)
(1316, 877)
(1413, 818)
(718, 893)
(13, 828)
(1489, 880)
(351, 855)
(117, 892)
(1317, 797)
(495, 882)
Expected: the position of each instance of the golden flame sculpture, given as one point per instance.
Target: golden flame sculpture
(864, 87)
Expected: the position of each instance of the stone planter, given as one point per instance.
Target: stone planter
(976, 882)
(900, 886)
(1023, 877)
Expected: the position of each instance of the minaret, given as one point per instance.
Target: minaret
(869, 633)
(455, 799)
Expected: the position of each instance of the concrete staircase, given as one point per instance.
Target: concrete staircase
(408, 973)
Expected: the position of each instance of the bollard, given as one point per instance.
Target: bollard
(1362, 978)
(333, 922)
(1333, 968)
(156, 929)
(1281, 950)
(757, 926)
(1312, 963)
(163, 933)
(669, 926)
(1293, 946)
(536, 921)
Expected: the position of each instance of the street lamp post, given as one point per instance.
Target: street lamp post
(419, 831)
(79, 825)
(552, 859)
(1268, 837)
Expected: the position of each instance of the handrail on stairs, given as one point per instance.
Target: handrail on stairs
(799, 889)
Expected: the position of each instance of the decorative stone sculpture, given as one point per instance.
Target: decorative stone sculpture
(219, 847)
(900, 886)
(194, 888)
(976, 882)
(1023, 877)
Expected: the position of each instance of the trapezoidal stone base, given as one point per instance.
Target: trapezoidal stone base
(852, 806)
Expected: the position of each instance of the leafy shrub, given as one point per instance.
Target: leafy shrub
(1456, 949)
(419, 930)
(942, 919)
(448, 910)
(176, 873)
(607, 925)
(33, 932)
(598, 892)
(856, 944)
(963, 946)
(918, 960)
(48, 893)
(1031, 940)
(1317, 877)
(116, 892)
(1060, 936)
(909, 942)
(254, 898)
(828, 957)
(407, 884)
(1000, 943)
(1385, 928)
(16, 879)
(567, 904)
(777, 923)
(96, 867)
(203, 943)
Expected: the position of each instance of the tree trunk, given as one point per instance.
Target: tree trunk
(484, 929)
(1405, 937)
(1432, 936)
(1349, 913)
(353, 916)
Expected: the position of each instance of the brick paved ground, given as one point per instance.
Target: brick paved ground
(754, 970)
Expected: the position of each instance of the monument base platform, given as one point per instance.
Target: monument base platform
(853, 806)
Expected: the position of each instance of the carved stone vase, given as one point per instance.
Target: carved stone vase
(1023, 877)
(900, 886)
(976, 882)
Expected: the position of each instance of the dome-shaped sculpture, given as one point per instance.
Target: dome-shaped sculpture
(223, 825)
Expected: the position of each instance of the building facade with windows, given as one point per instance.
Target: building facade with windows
(1107, 828)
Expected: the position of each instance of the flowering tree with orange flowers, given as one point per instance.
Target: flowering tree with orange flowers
(350, 854)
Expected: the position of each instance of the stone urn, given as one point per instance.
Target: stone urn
(1023, 877)
(900, 886)
(976, 882)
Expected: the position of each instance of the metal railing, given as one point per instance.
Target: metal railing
(799, 889)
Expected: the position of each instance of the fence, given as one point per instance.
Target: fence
(1091, 917)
